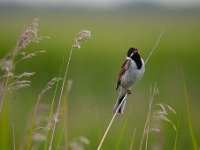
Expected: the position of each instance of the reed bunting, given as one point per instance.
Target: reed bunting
(131, 72)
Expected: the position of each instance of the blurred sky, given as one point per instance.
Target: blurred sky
(110, 2)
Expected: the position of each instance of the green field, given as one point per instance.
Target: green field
(94, 68)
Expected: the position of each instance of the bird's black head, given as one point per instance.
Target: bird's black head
(134, 55)
(131, 52)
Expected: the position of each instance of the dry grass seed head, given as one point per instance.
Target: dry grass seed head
(154, 130)
(6, 65)
(38, 137)
(79, 144)
(162, 114)
(30, 55)
(20, 84)
(50, 84)
(83, 35)
(30, 34)
(24, 74)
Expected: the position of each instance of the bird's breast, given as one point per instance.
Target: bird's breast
(132, 75)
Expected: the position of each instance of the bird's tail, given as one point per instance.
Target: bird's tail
(121, 99)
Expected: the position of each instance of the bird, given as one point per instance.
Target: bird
(132, 70)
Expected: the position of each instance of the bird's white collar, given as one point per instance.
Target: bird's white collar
(128, 58)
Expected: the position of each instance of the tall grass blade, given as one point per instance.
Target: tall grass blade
(60, 139)
(59, 101)
(52, 105)
(82, 36)
(147, 121)
(177, 131)
(153, 92)
(65, 112)
(122, 131)
(193, 139)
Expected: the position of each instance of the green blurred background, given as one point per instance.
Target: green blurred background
(94, 68)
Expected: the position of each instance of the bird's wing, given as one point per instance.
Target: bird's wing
(123, 69)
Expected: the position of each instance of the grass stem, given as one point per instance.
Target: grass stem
(111, 122)
(146, 126)
(59, 101)
(133, 138)
(158, 40)
(13, 136)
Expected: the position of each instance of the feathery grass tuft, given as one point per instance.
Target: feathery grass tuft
(8, 80)
(160, 114)
(83, 35)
